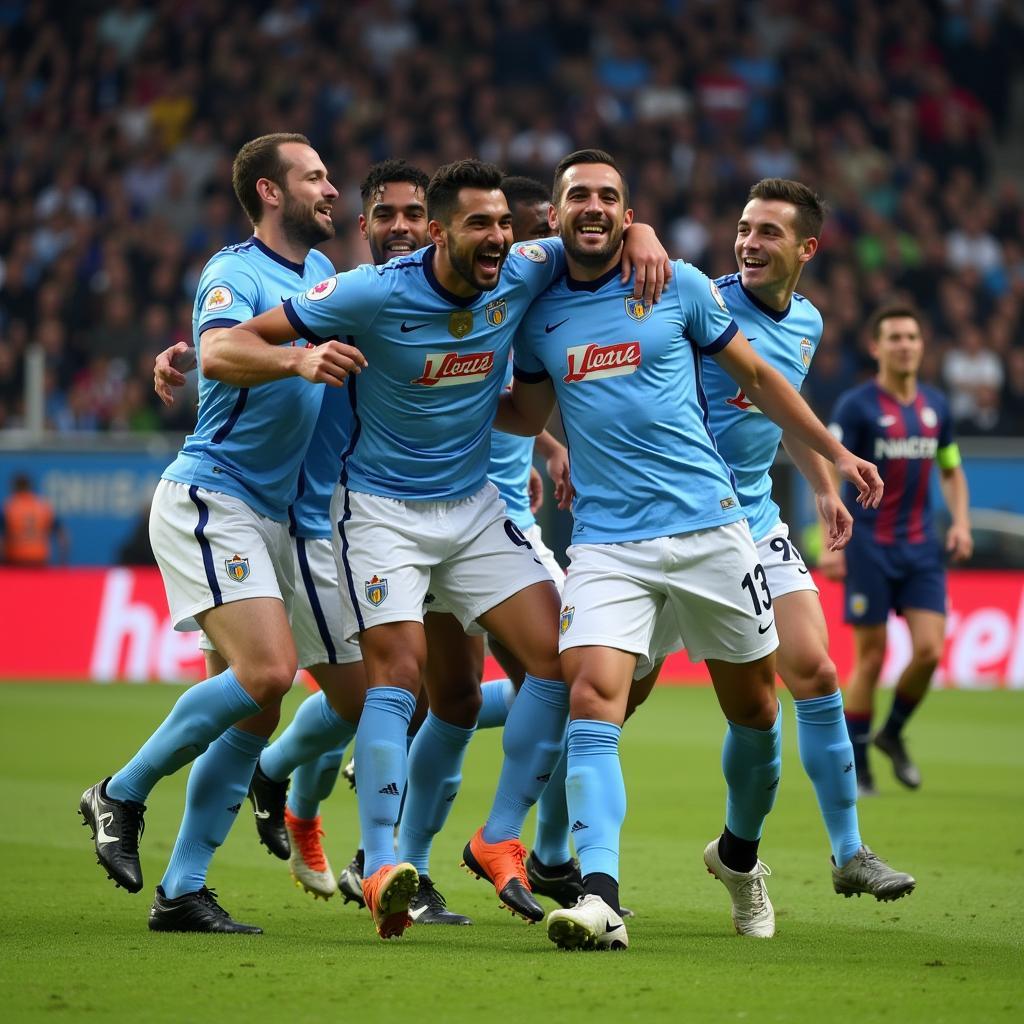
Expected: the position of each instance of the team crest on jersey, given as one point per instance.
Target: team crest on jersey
(219, 298)
(534, 253)
(595, 362)
(858, 604)
(446, 369)
(460, 323)
(376, 590)
(928, 417)
(806, 351)
(636, 309)
(565, 619)
(496, 312)
(322, 290)
(237, 568)
(717, 296)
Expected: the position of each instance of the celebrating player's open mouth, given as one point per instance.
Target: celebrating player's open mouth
(489, 259)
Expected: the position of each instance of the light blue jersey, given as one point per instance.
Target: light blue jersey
(509, 471)
(249, 442)
(425, 403)
(628, 381)
(310, 515)
(747, 439)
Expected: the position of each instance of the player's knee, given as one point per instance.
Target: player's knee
(589, 699)
(926, 655)
(817, 679)
(397, 668)
(461, 707)
(267, 681)
(755, 709)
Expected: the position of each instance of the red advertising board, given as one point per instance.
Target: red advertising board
(112, 624)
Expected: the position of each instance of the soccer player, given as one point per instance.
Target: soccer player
(414, 510)
(219, 532)
(657, 522)
(776, 237)
(895, 560)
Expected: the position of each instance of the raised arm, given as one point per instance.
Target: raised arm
(256, 353)
(777, 399)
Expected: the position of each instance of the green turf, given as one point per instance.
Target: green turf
(76, 948)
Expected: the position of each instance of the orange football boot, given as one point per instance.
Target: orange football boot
(503, 865)
(388, 893)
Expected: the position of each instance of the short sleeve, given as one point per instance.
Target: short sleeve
(228, 294)
(537, 264)
(340, 305)
(705, 314)
(526, 363)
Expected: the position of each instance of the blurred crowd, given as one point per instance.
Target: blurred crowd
(120, 119)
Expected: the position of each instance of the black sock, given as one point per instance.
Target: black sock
(859, 728)
(902, 709)
(600, 884)
(737, 854)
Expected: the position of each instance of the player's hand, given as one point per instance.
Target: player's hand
(959, 543)
(837, 521)
(644, 257)
(330, 363)
(535, 491)
(864, 476)
(558, 470)
(832, 565)
(170, 368)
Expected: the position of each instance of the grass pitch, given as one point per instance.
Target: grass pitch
(74, 948)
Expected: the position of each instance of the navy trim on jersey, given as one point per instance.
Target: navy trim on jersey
(211, 324)
(295, 268)
(314, 601)
(702, 400)
(296, 321)
(300, 490)
(774, 314)
(529, 378)
(343, 480)
(575, 285)
(722, 340)
(428, 273)
(204, 544)
(229, 424)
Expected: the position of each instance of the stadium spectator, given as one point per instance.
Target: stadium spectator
(30, 525)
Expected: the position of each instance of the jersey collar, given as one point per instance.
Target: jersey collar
(296, 268)
(777, 315)
(428, 273)
(592, 286)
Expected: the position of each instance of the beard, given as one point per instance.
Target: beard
(463, 263)
(593, 257)
(300, 225)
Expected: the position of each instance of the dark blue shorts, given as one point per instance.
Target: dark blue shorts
(881, 577)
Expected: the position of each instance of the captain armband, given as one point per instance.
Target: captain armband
(948, 457)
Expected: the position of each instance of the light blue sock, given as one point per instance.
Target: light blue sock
(435, 774)
(313, 782)
(315, 729)
(596, 794)
(551, 844)
(381, 770)
(532, 741)
(217, 785)
(752, 765)
(827, 756)
(498, 695)
(198, 717)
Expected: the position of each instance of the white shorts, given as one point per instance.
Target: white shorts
(316, 613)
(213, 549)
(546, 555)
(467, 553)
(783, 564)
(707, 584)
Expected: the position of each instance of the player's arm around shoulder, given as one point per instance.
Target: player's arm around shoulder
(257, 352)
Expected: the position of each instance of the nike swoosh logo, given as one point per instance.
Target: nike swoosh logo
(417, 913)
(101, 835)
(262, 815)
(408, 329)
(609, 927)
(548, 328)
(804, 571)
(764, 629)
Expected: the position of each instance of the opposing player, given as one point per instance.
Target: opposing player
(657, 522)
(219, 532)
(895, 560)
(776, 237)
(415, 512)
